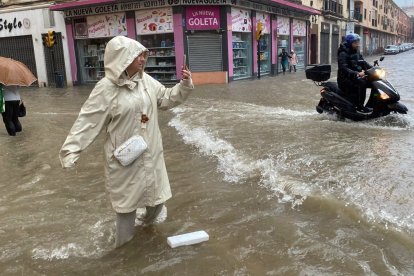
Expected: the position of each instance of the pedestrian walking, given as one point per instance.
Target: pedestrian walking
(124, 104)
(284, 60)
(10, 115)
(293, 61)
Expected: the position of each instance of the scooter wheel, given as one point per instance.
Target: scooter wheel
(319, 109)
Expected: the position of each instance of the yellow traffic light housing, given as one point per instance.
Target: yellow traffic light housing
(259, 30)
(49, 39)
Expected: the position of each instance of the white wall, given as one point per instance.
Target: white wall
(32, 23)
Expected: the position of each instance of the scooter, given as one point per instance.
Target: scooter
(383, 100)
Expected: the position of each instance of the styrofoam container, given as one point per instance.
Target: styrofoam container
(187, 239)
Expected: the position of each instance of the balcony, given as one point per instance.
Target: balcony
(332, 9)
(358, 17)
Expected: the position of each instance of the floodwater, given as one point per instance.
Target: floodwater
(280, 189)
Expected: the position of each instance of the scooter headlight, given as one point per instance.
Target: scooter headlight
(383, 95)
(380, 73)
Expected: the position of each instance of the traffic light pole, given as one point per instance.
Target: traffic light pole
(258, 59)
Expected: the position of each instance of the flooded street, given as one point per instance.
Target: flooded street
(280, 189)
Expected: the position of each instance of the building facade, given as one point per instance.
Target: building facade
(378, 22)
(217, 36)
(21, 30)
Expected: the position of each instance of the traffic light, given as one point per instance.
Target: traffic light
(49, 39)
(259, 30)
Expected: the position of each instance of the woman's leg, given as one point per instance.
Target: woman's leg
(125, 228)
(152, 213)
(15, 116)
(8, 118)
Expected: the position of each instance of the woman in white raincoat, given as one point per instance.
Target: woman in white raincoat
(124, 104)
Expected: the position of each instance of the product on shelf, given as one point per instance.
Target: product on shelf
(161, 56)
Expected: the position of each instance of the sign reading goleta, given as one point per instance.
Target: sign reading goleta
(147, 4)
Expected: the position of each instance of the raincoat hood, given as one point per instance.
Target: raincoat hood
(119, 54)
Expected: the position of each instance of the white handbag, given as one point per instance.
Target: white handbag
(130, 150)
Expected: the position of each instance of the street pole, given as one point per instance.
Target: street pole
(258, 58)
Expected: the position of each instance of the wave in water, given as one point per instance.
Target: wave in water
(237, 166)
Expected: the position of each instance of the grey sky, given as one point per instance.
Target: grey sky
(404, 3)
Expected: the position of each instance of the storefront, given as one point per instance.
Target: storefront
(265, 43)
(217, 38)
(155, 30)
(299, 41)
(241, 43)
(203, 40)
(91, 36)
(283, 37)
(21, 31)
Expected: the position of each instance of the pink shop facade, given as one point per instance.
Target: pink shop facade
(217, 36)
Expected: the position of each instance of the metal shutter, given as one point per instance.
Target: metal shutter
(324, 48)
(205, 52)
(20, 48)
(335, 46)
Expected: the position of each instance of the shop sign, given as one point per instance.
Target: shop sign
(203, 17)
(299, 28)
(10, 25)
(283, 26)
(139, 5)
(350, 27)
(106, 25)
(264, 18)
(241, 20)
(13, 26)
(154, 21)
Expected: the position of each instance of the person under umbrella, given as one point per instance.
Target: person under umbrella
(11, 109)
(13, 74)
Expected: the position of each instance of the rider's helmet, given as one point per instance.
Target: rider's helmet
(350, 38)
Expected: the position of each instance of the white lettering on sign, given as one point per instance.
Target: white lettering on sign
(202, 21)
(111, 8)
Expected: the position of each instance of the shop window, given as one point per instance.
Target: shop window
(161, 56)
(242, 55)
(264, 48)
(91, 58)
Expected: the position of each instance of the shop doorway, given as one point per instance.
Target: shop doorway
(55, 62)
(324, 48)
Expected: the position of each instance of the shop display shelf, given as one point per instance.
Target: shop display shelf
(161, 56)
(239, 48)
(155, 48)
(161, 72)
(242, 66)
(160, 66)
(239, 57)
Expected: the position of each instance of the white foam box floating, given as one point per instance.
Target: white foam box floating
(187, 239)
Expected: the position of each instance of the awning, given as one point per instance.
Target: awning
(81, 3)
(295, 6)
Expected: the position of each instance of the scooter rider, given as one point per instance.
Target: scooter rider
(351, 72)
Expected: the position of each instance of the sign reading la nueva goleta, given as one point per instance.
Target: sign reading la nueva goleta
(147, 4)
